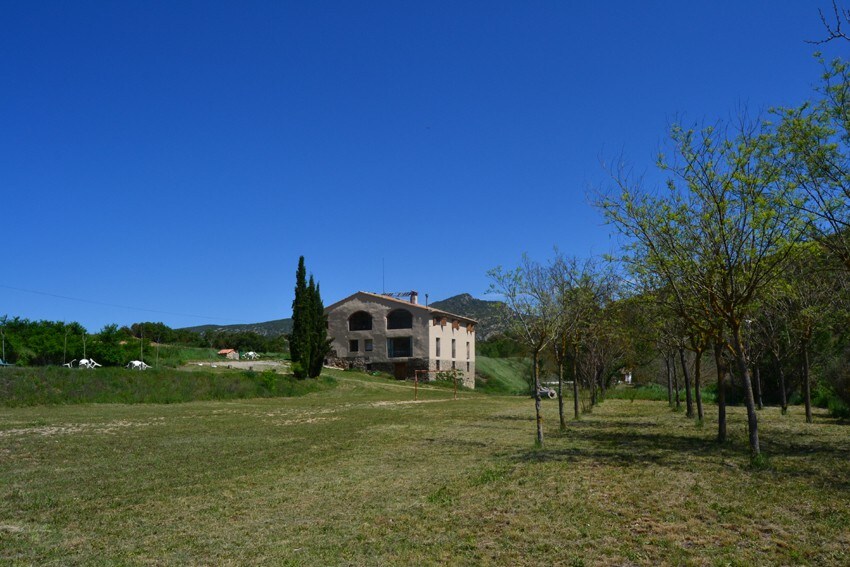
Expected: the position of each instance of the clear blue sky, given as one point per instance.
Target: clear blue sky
(180, 156)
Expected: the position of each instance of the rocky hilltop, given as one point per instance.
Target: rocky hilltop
(487, 313)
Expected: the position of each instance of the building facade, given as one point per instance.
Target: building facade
(370, 331)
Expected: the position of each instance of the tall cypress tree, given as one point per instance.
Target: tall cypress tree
(321, 345)
(308, 342)
(298, 339)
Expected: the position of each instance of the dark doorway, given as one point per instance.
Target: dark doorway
(400, 370)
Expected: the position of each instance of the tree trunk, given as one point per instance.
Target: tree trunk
(575, 387)
(536, 372)
(721, 393)
(698, 383)
(749, 399)
(669, 382)
(601, 379)
(758, 386)
(676, 384)
(807, 383)
(561, 394)
(689, 400)
(593, 391)
(783, 395)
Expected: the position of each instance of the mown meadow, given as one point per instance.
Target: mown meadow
(360, 474)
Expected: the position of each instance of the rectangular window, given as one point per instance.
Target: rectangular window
(438, 346)
(368, 345)
(353, 345)
(398, 347)
(438, 365)
(467, 350)
(453, 365)
(454, 348)
(467, 367)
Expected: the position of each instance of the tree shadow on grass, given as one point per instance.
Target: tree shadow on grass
(597, 424)
(622, 447)
(511, 417)
(628, 448)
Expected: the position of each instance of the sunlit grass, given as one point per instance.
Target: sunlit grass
(54, 385)
(362, 475)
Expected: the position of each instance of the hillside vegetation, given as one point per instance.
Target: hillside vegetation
(502, 375)
(52, 385)
(362, 475)
(273, 328)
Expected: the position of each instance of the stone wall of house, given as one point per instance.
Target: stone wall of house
(422, 335)
(464, 368)
(442, 331)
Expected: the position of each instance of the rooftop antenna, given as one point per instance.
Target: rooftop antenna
(426, 300)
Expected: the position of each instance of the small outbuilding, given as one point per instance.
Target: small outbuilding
(230, 353)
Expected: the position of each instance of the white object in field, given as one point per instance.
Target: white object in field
(70, 364)
(88, 363)
(251, 355)
(137, 365)
(548, 392)
(213, 366)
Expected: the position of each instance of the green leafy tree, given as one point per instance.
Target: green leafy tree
(531, 313)
(723, 231)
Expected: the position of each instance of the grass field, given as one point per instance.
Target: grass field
(361, 475)
(503, 375)
(45, 385)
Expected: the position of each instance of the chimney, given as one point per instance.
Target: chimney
(414, 297)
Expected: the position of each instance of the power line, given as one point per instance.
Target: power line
(81, 300)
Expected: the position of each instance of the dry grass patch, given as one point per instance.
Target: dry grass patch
(359, 475)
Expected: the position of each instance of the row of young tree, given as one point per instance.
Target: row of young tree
(42, 343)
(37, 343)
(579, 316)
(743, 252)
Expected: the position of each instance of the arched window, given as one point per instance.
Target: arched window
(360, 321)
(399, 319)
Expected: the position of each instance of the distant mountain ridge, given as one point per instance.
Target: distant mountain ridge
(267, 329)
(483, 311)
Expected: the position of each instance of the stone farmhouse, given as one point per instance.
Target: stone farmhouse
(370, 331)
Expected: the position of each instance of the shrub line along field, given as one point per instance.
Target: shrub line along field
(361, 475)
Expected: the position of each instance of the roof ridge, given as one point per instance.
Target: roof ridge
(403, 302)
